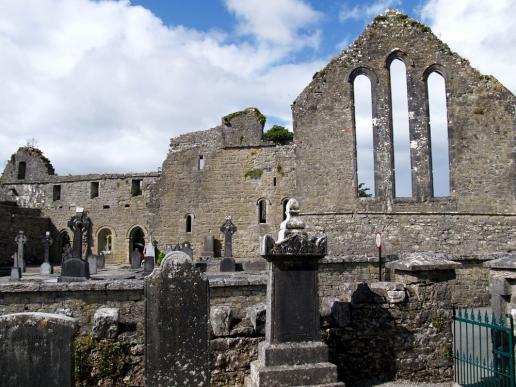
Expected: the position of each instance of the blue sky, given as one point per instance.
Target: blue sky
(115, 79)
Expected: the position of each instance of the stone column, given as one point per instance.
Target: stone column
(502, 285)
(20, 240)
(228, 229)
(292, 353)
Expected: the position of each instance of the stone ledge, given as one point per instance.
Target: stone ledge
(507, 262)
(424, 261)
(356, 259)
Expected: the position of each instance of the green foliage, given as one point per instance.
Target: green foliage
(160, 258)
(106, 357)
(254, 173)
(255, 111)
(362, 191)
(380, 18)
(402, 16)
(279, 135)
(478, 110)
(439, 324)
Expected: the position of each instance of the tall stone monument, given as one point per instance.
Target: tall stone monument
(176, 324)
(292, 353)
(16, 271)
(228, 229)
(20, 240)
(75, 268)
(36, 349)
(46, 268)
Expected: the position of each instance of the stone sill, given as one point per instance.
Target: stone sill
(216, 281)
(356, 259)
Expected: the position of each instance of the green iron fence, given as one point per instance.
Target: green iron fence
(483, 349)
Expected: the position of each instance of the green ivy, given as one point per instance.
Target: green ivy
(255, 111)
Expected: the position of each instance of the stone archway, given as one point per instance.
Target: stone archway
(105, 243)
(63, 240)
(136, 240)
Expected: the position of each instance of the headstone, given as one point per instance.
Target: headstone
(150, 250)
(208, 246)
(187, 249)
(75, 268)
(16, 271)
(228, 229)
(20, 240)
(227, 264)
(292, 353)
(148, 264)
(136, 261)
(46, 268)
(92, 264)
(101, 260)
(176, 333)
(36, 349)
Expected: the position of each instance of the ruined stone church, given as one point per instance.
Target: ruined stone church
(231, 170)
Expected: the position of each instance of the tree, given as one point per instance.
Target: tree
(362, 191)
(279, 135)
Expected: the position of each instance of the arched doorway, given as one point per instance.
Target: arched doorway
(63, 243)
(105, 241)
(136, 240)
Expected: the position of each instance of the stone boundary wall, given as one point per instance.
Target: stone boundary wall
(413, 320)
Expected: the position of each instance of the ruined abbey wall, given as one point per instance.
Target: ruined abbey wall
(239, 170)
(479, 213)
(115, 206)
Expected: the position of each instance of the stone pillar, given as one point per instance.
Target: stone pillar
(20, 240)
(502, 285)
(292, 353)
(228, 229)
(176, 324)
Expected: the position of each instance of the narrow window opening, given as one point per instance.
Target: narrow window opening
(94, 189)
(284, 208)
(22, 169)
(364, 136)
(200, 163)
(127, 205)
(188, 227)
(13, 192)
(400, 129)
(106, 206)
(262, 211)
(136, 187)
(56, 193)
(274, 182)
(438, 119)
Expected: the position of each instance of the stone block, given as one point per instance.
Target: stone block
(273, 355)
(220, 320)
(105, 323)
(46, 269)
(257, 315)
(92, 264)
(227, 264)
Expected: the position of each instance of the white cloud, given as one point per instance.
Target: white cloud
(361, 12)
(278, 22)
(104, 85)
(484, 32)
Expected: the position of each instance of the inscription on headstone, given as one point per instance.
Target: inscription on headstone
(36, 349)
(176, 333)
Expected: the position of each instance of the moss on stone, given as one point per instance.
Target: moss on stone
(439, 324)
(261, 118)
(255, 173)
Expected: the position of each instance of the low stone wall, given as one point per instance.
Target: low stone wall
(390, 330)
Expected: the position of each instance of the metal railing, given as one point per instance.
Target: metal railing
(483, 349)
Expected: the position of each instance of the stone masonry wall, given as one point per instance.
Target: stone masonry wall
(413, 319)
(115, 207)
(231, 183)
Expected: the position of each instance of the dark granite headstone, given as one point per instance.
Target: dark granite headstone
(92, 264)
(36, 349)
(208, 246)
(227, 264)
(176, 333)
(136, 262)
(74, 269)
(148, 264)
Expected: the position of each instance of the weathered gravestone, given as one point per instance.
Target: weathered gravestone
(176, 324)
(227, 264)
(20, 240)
(36, 349)
(149, 260)
(292, 353)
(187, 249)
(75, 268)
(136, 261)
(228, 229)
(92, 264)
(16, 271)
(46, 268)
(208, 249)
(101, 260)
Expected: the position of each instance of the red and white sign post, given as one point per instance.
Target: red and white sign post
(378, 241)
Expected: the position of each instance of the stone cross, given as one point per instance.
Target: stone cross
(47, 242)
(228, 229)
(78, 224)
(292, 353)
(20, 239)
